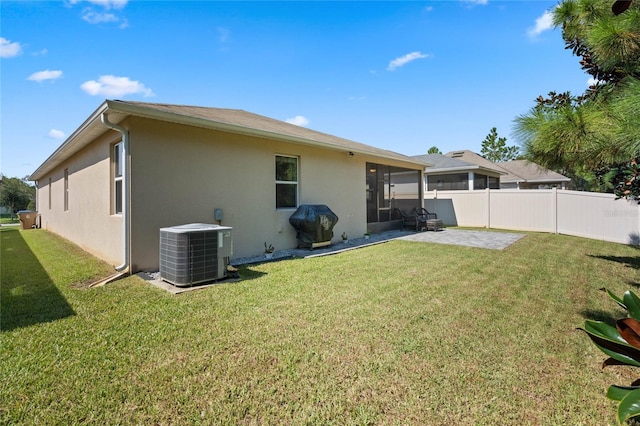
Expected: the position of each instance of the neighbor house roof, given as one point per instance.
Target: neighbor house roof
(229, 120)
(472, 157)
(526, 171)
(514, 171)
(445, 164)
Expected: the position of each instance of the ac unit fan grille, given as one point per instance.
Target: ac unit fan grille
(188, 258)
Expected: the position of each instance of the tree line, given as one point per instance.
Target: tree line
(16, 194)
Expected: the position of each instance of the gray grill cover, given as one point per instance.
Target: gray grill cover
(314, 224)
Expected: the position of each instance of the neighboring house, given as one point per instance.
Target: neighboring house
(132, 168)
(452, 173)
(466, 170)
(522, 174)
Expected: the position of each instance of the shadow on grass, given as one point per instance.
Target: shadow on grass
(630, 261)
(608, 317)
(246, 273)
(27, 294)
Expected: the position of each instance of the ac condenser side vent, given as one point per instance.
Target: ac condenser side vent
(194, 253)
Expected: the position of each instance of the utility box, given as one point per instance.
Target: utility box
(314, 225)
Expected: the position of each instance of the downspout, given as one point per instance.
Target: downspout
(126, 216)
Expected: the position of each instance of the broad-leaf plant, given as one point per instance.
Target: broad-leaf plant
(622, 344)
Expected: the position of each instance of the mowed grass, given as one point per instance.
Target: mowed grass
(398, 333)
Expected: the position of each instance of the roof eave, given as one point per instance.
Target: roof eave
(249, 131)
(79, 138)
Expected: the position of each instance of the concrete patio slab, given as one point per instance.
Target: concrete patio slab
(468, 238)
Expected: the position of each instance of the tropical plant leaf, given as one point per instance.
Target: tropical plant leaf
(629, 406)
(609, 341)
(603, 330)
(610, 361)
(615, 298)
(632, 302)
(629, 329)
(617, 393)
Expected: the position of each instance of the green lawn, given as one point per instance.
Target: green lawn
(397, 333)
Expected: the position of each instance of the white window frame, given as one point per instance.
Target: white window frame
(118, 178)
(287, 182)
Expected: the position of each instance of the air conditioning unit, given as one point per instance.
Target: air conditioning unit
(194, 253)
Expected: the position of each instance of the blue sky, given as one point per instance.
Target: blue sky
(403, 76)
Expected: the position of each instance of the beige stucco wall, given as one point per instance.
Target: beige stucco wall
(180, 174)
(88, 221)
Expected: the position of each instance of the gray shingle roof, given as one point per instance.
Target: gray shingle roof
(445, 163)
(229, 120)
(526, 171)
(246, 122)
(472, 157)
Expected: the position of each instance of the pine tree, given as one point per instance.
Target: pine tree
(495, 148)
(598, 130)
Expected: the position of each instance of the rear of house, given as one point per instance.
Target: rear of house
(132, 168)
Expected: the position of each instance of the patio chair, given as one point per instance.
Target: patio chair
(419, 211)
(411, 221)
(430, 220)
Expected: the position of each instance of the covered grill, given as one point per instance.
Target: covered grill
(314, 225)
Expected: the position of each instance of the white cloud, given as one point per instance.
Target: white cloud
(480, 2)
(9, 49)
(110, 4)
(43, 52)
(107, 4)
(102, 11)
(403, 60)
(298, 120)
(112, 86)
(56, 134)
(543, 23)
(41, 76)
(94, 17)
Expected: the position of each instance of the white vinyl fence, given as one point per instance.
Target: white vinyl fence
(584, 214)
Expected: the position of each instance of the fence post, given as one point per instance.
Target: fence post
(554, 206)
(488, 191)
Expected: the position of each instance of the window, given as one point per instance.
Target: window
(452, 182)
(49, 193)
(494, 182)
(118, 172)
(66, 189)
(479, 181)
(286, 182)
